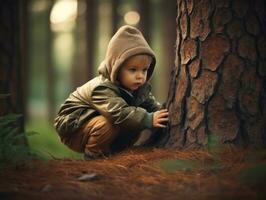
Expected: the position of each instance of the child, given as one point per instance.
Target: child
(107, 114)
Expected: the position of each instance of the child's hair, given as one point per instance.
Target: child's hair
(144, 54)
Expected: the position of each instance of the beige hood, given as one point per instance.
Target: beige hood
(126, 42)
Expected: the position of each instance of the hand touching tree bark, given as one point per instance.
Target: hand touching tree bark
(160, 118)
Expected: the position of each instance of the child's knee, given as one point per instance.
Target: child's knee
(102, 133)
(97, 132)
(100, 125)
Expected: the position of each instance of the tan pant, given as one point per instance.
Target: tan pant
(99, 136)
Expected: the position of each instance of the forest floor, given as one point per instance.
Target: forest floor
(141, 174)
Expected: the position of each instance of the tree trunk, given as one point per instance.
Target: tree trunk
(84, 36)
(12, 57)
(218, 86)
(115, 16)
(144, 8)
(50, 75)
(91, 15)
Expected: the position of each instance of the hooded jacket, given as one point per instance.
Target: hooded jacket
(103, 95)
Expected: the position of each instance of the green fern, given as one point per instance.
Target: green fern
(12, 148)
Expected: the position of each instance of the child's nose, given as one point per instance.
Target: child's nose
(140, 75)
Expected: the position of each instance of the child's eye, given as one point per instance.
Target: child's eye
(132, 69)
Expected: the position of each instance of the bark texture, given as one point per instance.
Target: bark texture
(218, 85)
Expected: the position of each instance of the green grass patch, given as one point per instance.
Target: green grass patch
(47, 143)
(173, 165)
(254, 175)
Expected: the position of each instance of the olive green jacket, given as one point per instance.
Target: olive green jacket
(103, 95)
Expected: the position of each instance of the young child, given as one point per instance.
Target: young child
(107, 114)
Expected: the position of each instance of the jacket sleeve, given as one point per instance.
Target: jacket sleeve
(71, 116)
(150, 104)
(109, 104)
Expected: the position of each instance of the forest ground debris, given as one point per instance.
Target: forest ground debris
(143, 174)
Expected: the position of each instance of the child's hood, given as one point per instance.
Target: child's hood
(126, 42)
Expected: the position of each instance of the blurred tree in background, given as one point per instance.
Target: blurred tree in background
(13, 78)
(13, 58)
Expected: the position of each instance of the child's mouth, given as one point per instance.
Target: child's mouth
(137, 84)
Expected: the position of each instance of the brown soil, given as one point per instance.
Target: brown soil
(139, 174)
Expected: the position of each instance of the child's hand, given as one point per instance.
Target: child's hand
(160, 118)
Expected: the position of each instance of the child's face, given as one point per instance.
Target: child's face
(133, 72)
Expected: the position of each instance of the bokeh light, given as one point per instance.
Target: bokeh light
(132, 17)
(63, 15)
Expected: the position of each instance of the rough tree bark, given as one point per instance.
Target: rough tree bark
(218, 85)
